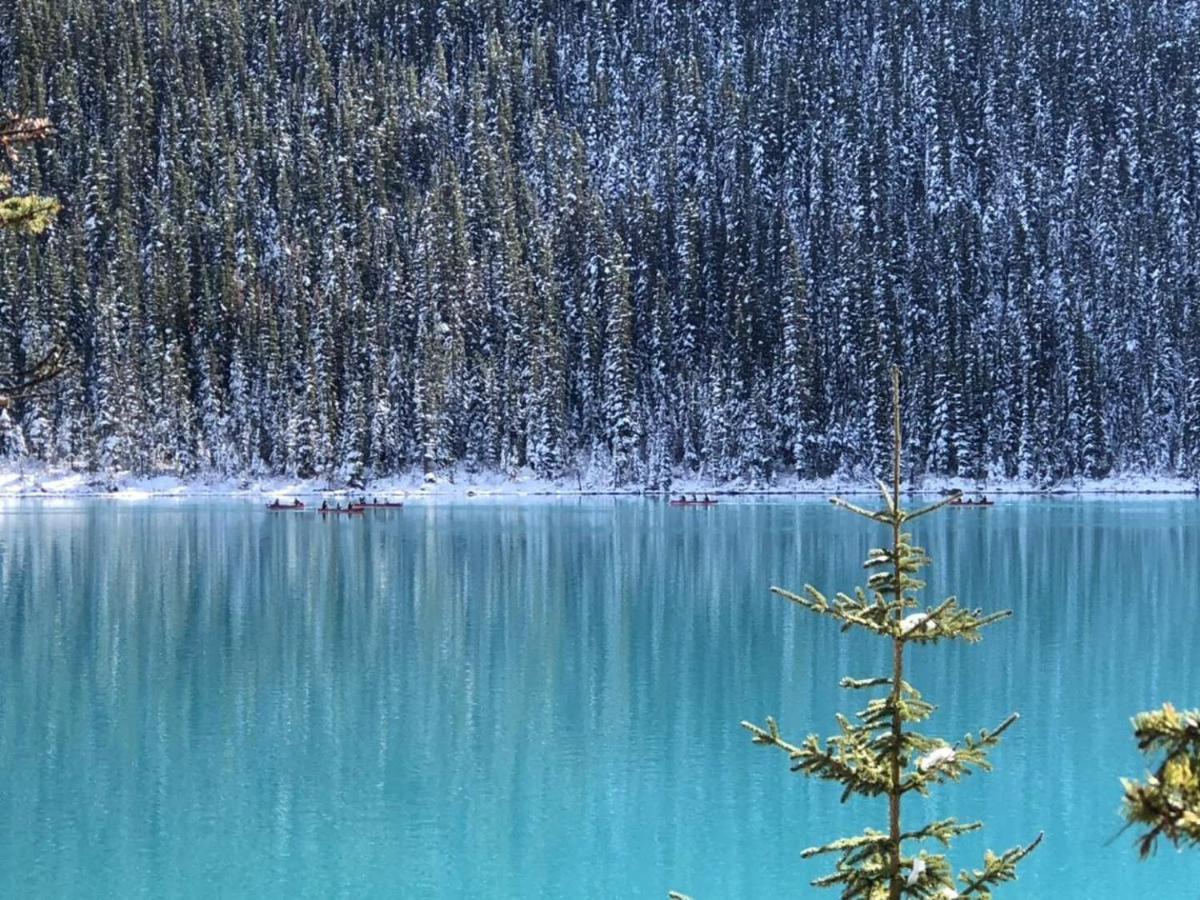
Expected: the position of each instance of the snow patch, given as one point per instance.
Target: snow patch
(30, 479)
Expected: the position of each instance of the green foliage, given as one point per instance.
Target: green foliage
(406, 156)
(24, 213)
(1168, 802)
(29, 213)
(877, 752)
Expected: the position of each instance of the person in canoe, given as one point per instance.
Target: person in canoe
(296, 503)
(324, 505)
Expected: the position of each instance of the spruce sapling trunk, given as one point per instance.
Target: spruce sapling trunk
(897, 652)
(878, 753)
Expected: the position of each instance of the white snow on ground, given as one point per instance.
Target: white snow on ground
(30, 480)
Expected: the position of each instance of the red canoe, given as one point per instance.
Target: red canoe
(695, 502)
(347, 511)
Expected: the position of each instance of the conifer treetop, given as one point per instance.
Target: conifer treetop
(876, 752)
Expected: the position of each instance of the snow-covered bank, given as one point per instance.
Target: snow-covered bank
(39, 481)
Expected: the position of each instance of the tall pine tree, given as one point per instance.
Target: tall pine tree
(878, 753)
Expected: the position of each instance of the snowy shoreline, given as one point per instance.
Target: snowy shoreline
(33, 481)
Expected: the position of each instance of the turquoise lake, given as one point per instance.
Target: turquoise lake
(493, 699)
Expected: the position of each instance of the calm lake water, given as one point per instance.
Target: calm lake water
(541, 699)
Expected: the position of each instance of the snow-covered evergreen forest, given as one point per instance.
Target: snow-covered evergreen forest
(644, 237)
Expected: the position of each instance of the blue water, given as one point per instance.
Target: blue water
(501, 700)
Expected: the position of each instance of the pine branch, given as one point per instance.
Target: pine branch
(946, 621)
(22, 385)
(29, 214)
(933, 507)
(1168, 802)
(23, 213)
(944, 831)
(890, 501)
(879, 516)
(941, 762)
(850, 611)
(996, 870)
(858, 684)
(846, 758)
(907, 703)
(16, 130)
(770, 736)
(869, 838)
(1168, 730)
(863, 865)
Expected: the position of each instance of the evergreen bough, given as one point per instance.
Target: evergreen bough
(1168, 802)
(878, 753)
(25, 213)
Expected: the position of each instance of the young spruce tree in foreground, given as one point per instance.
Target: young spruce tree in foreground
(878, 754)
(1168, 803)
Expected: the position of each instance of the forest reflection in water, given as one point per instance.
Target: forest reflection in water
(517, 699)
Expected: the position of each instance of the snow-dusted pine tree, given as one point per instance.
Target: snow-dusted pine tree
(878, 753)
(619, 399)
(783, 180)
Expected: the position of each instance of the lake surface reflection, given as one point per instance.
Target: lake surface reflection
(541, 699)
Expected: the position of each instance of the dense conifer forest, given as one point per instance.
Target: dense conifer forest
(643, 238)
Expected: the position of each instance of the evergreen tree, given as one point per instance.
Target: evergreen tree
(619, 406)
(1167, 803)
(802, 180)
(1190, 437)
(12, 441)
(801, 425)
(878, 753)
